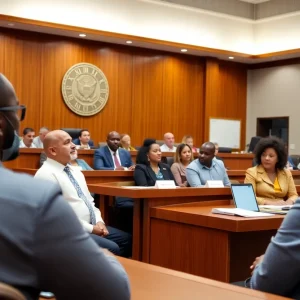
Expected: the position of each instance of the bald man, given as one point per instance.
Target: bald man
(60, 150)
(168, 146)
(206, 168)
(111, 156)
(38, 140)
(42, 244)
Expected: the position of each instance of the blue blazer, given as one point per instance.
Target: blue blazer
(104, 161)
(77, 142)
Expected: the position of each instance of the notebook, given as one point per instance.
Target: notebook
(245, 202)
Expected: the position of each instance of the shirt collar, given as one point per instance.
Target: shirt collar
(213, 163)
(112, 152)
(56, 165)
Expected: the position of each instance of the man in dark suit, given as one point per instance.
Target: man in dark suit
(84, 140)
(112, 157)
(42, 244)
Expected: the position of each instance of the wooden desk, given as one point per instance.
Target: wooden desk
(239, 175)
(215, 246)
(92, 176)
(235, 161)
(107, 176)
(30, 158)
(148, 282)
(144, 199)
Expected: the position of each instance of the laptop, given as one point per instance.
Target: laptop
(244, 198)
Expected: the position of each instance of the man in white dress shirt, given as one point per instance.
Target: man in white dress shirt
(28, 136)
(60, 150)
(168, 146)
(38, 140)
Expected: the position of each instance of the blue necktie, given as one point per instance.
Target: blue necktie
(81, 195)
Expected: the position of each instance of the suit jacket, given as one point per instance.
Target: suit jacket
(264, 188)
(77, 142)
(145, 176)
(37, 226)
(104, 161)
(279, 271)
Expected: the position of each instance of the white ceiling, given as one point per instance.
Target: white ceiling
(255, 1)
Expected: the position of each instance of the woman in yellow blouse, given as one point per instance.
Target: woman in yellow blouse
(273, 184)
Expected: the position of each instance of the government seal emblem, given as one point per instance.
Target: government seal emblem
(85, 89)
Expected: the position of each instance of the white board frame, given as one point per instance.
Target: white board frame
(225, 132)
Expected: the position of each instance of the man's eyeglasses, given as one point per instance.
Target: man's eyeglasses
(20, 110)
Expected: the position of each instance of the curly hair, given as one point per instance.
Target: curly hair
(142, 157)
(276, 144)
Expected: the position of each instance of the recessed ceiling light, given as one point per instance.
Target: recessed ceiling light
(183, 50)
(231, 57)
(128, 42)
(11, 24)
(82, 35)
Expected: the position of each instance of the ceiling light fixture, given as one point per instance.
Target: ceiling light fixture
(183, 50)
(11, 24)
(128, 42)
(82, 35)
(231, 57)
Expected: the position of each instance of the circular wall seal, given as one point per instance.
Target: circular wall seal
(85, 89)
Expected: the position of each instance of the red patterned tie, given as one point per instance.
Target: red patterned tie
(117, 163)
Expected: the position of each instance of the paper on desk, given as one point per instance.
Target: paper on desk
(137, 187)
(278, 207)
(240, 212)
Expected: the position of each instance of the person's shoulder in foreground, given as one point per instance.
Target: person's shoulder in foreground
(42, 243)
(56, 248)
(278, 272)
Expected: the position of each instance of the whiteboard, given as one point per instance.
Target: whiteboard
(226, 133)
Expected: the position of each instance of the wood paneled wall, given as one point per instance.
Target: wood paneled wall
(151, 92)
(226, 94)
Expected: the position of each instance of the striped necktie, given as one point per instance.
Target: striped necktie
(81, 195)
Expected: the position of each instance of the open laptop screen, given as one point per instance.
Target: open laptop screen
(244, 197)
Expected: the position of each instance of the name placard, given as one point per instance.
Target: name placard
(214, 183)
(165, 184)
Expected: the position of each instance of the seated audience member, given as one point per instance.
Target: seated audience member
(80, 163)
(277, 271)
(60, 150)
(188, 140)
(84, 140)
(272, 182)
(140, 155)
(206, 168)
(125, 142)
(27, 140)
(168, 146)
(217, 151)
(290, 164)
(112, 157)
(43, 157)
(45, 247)
(183, 157)
(38, 140)
(149, 169)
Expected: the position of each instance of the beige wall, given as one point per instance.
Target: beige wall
(275, 92)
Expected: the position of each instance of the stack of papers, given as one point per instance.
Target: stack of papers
(275, 209)
(240, 212)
